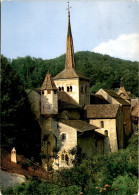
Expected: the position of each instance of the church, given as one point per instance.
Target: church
(69, 116)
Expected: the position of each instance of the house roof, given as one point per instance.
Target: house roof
(48, 83)
(66, 101)
(80, 125)
(101, 111)
(124, 92)
(134, 102)
(116, 97)
(97, 99)
(70, 74)
(135, 111)
(36, 90)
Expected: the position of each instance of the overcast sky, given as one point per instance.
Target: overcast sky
(39, 28)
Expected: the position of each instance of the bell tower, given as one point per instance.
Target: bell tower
(49, 96)
(70, 80)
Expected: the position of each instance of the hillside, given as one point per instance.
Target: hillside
(104, 71)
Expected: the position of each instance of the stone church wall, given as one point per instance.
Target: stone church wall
(74, 83)
(110, 126)
(84, 97)
(127, 119)
(91, 143)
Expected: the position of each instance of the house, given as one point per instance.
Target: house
(114, 98)
(134, 114)
(123, 93)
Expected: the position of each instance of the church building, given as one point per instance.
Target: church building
(63, 111)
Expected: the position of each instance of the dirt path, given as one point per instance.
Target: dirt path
(10, 179)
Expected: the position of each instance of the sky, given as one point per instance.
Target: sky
(39, 27)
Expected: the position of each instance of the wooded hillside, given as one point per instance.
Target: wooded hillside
(104, 71)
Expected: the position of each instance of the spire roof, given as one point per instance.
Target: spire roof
(69, 48)
(69, 72)
(48, 83)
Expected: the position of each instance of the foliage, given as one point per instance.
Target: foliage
(102, 70)
(17, 121)
(127, 184)
(79, 156)
(112, 174)
(33, 163)
(24, 165)
(37, 187)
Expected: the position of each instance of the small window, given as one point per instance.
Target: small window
(48, 91)
(55, 91)
(106, 133)
(62, 88)
(59, 88)
(63, 136)
(62, 157)
(70, 88)
(42, 91)
(102, 124)
(67, 89)
(67, 159)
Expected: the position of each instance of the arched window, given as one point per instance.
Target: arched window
(67, 89)
(106, 133)
(62, 88)
(102, 124)
(71, 88)
(59, 88)
(63, 137)
(55, 91)
(67, 159)
(62, 157)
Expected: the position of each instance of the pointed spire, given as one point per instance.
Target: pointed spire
(48, 83)
(69, 49)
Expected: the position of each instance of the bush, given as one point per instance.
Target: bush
(24, 165)
(127, 184)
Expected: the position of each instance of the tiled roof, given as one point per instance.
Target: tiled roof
(135, 111)
(97, 99)
(35, 89)
(101, 111)
(123, 91)
(116, 97)
(80, 125)
(134, 102)
(48, 83)
(69, 74)
(66, 101)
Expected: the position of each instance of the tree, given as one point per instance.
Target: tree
(17, 121)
